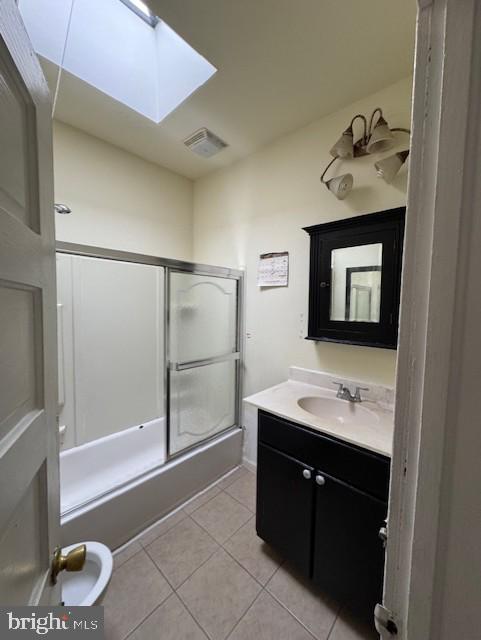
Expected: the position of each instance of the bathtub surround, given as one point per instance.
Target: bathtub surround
(113, 461)
(260, 205)
(124, 512)
(118, 200)
(112, 393)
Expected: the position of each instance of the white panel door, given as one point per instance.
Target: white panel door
(29, 487)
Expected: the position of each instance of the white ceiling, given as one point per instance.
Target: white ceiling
(281, 64)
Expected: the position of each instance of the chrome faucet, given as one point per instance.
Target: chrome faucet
(343, 393)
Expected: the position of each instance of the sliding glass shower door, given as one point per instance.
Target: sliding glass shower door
(204, 352)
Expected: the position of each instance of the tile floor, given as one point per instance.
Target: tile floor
(204, 574)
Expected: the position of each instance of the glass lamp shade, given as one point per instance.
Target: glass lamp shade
(381, 138)
(340, 186)
(344, 147)
(388, 168)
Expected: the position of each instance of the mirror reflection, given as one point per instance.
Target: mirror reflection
(356, 283)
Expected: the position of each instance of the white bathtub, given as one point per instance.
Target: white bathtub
(93, 469)
(114, 487)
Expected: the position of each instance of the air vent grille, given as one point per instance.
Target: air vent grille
(205, 143)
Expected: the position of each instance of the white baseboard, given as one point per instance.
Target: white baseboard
(252, 466)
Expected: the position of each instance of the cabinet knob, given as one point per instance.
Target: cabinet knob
(320, 480)
(307, 474)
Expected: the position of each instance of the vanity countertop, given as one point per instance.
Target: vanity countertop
(376, 435)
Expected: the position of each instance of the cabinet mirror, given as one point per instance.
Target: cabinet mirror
(355, 275)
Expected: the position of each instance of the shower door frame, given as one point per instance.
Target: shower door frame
(171, 266)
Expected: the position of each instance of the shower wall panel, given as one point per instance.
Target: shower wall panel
(111, 339)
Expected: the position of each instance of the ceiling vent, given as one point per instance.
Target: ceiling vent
(205, 143)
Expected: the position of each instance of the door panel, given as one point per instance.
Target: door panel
(203, 357)
(18, 355)
(202, 403)
(20, 539)
(348, 554)
(285, 506)
(18, 168)
(29, 490)
(203, 316)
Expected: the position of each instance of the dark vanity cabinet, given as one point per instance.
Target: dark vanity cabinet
(355, 279)
(321, 503)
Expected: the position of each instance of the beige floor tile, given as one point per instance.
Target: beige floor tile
(267, 620)
(244, 490)
(218, 594)
(316, 611)
(222, 516)
(135, 590)
(162, 527)
(253, 553)
(170, 621)
(232, 477)
(126, 554)
(349, 627)
(202, 499)
(180, 551)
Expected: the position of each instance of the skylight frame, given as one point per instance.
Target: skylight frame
(149, 17)
(151, 70)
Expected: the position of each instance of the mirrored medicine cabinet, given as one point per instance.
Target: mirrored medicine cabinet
(355, 279)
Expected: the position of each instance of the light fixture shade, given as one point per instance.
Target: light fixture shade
(340, 186)
(381, 138)
(388, 168)
(344, 147)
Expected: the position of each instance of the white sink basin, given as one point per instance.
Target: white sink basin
(338, 411)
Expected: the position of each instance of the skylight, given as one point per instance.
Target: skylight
(141, 63)
(142, 10)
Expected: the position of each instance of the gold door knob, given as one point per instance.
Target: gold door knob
(73, 561)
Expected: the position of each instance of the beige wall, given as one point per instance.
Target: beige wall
(261, 204)
(231, 216)
(119, 200)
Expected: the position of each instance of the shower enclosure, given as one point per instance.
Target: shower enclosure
(150, 357)
(203, 352)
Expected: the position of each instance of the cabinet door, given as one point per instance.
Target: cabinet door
(285, 501)
(348, 554)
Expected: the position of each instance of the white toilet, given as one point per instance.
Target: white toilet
(87, 587)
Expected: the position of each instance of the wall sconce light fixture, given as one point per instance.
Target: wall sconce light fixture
(340, 186)
(376, 137)
(388, 168)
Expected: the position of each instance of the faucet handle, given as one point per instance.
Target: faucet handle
(340, 388)
(357, 395)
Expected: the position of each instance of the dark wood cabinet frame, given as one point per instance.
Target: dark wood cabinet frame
(385, 227)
